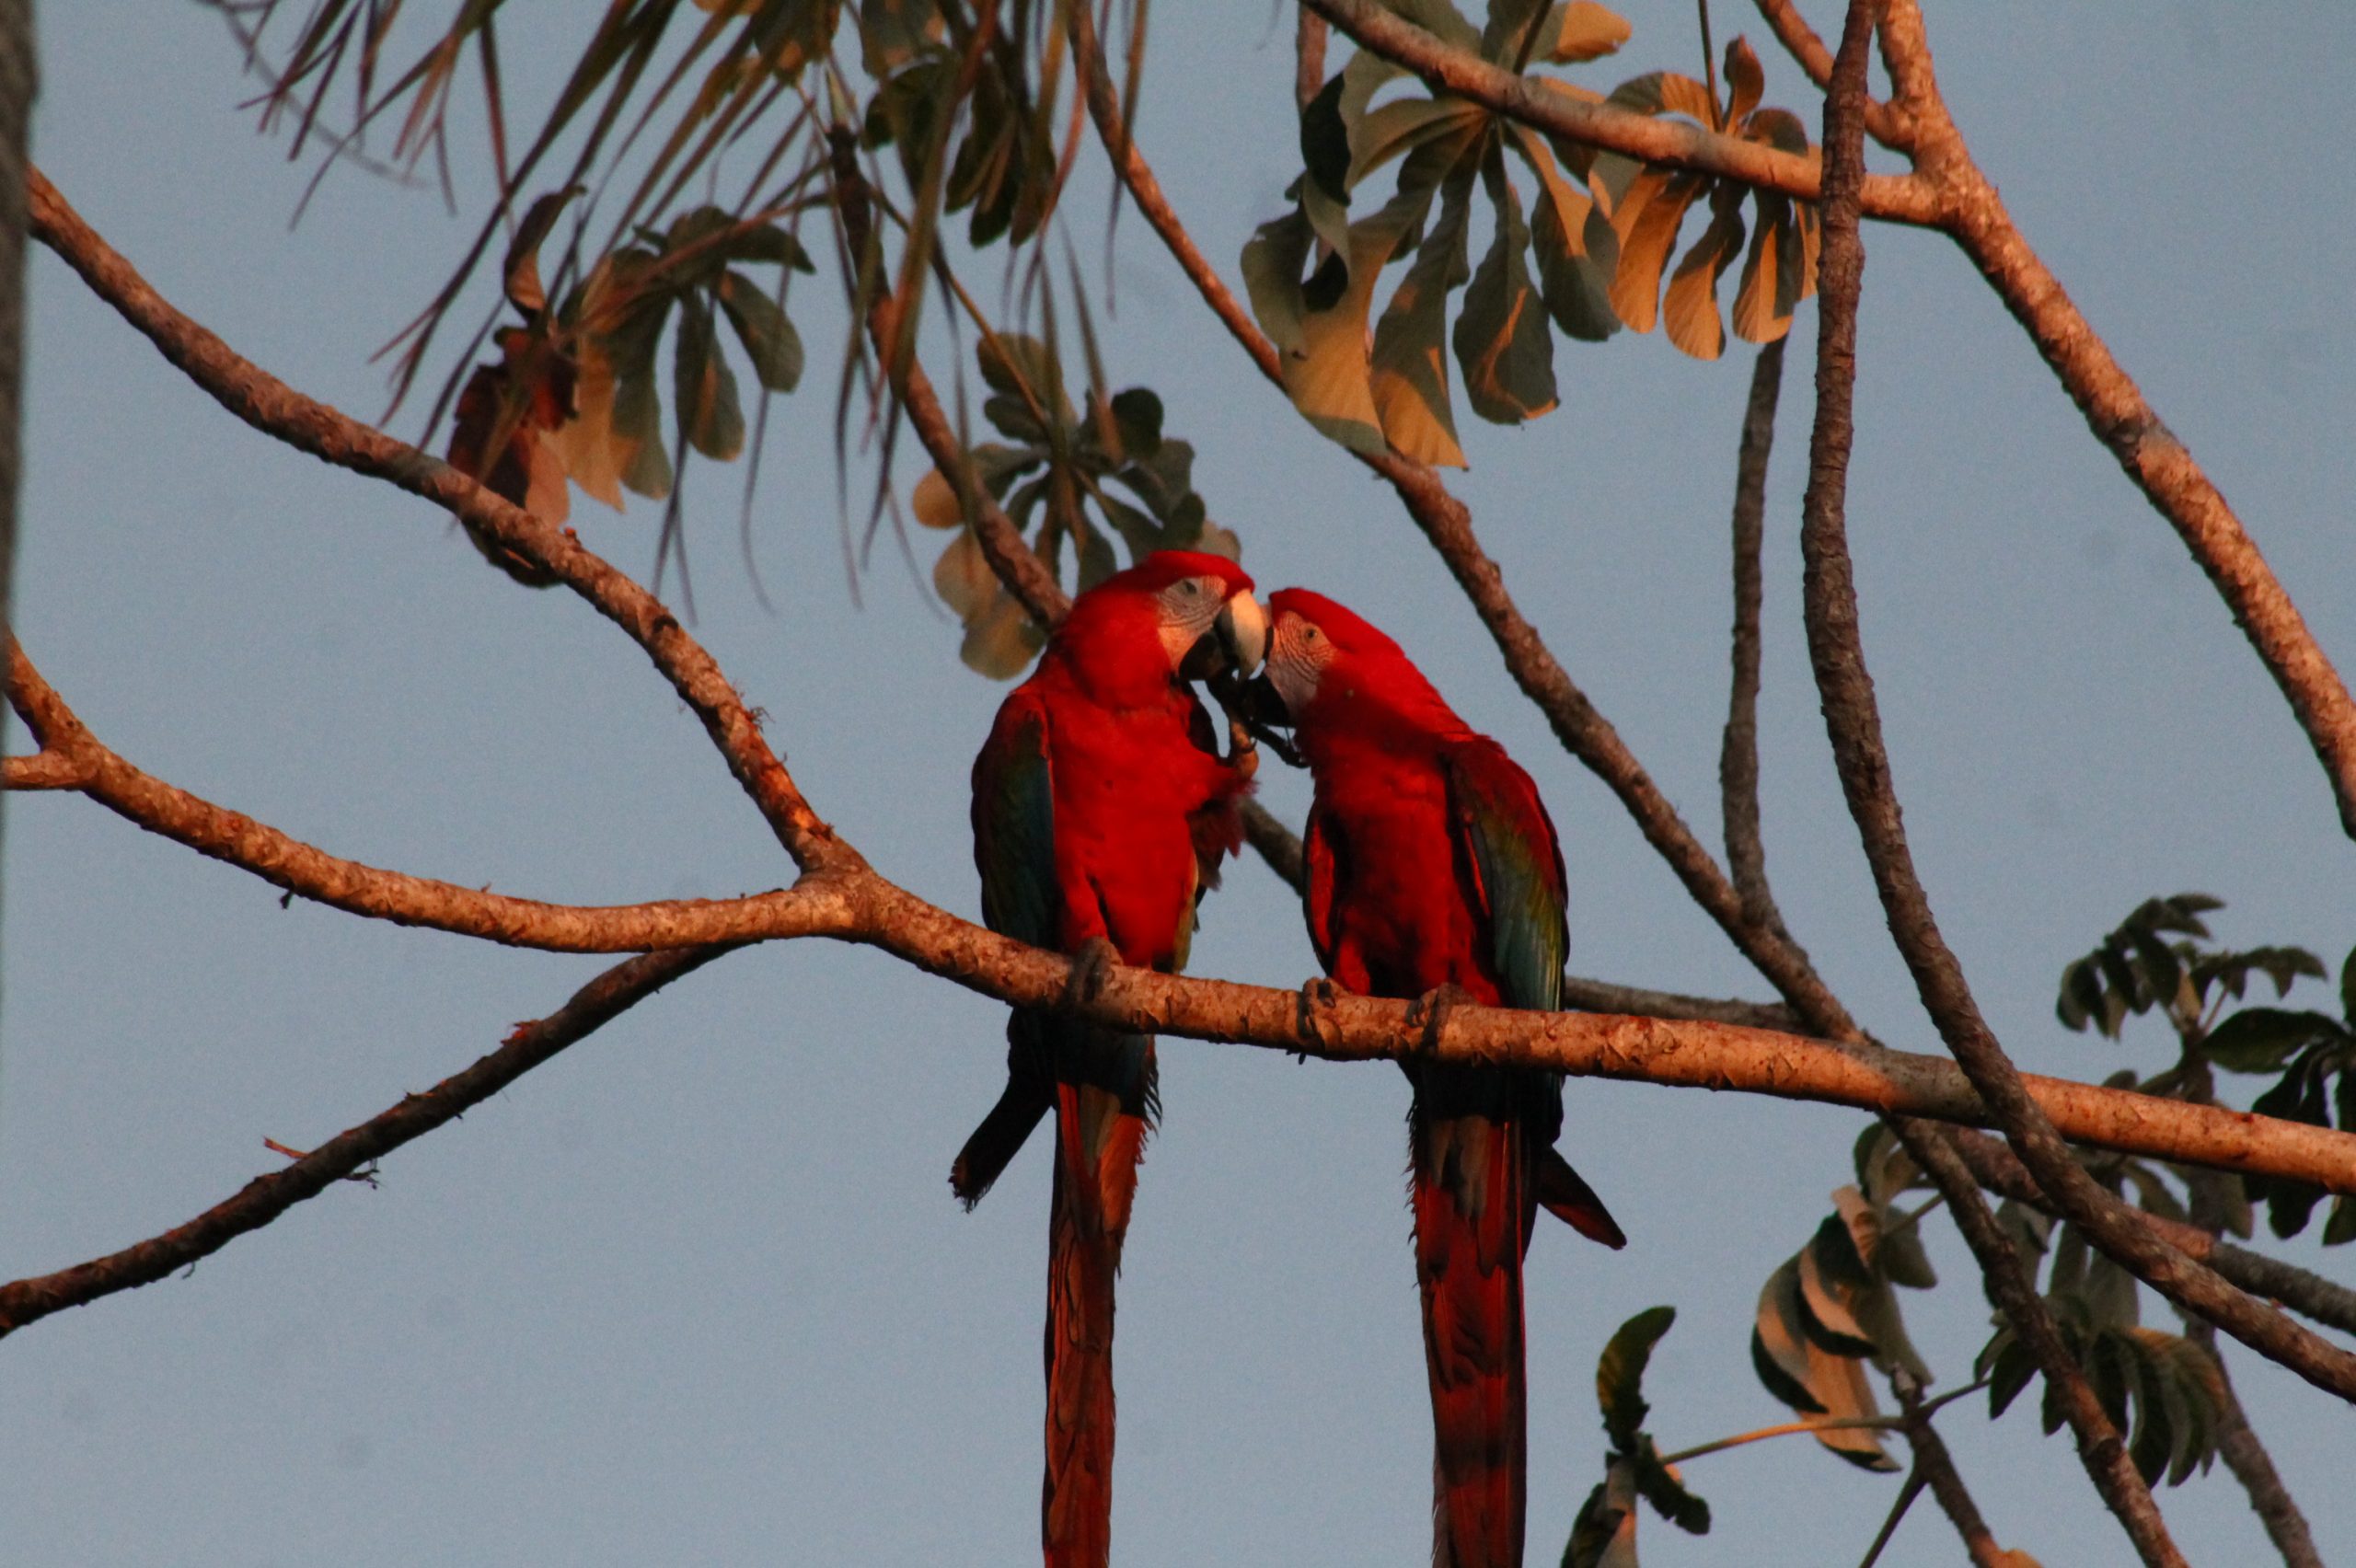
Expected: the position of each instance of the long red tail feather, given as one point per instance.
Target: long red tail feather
(1472, 1203)
(1088, 1222)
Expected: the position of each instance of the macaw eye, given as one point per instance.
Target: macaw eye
(1189, 587)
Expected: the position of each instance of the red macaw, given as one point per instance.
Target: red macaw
(1433, 868)
(1102, 809)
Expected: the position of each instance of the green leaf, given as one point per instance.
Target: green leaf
(769, 243)
(1410, 364)
(1656, 1485)
(1809, 1378)
(770, 339)
(2260, 1040)
(1399, 128)
(2340, 1224)
(1619, 1374)
(705, 390)
(1014, 362)
(1097, 560)
(1441, 19)
(1501, 336)
(1273, 259)
(1137, 417)
(2347, 988)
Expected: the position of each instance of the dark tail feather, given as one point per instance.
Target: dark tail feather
(1029, 1094)
(984, 1156)
(1087, 1224)
(1470, 1199)
(1563, 1194)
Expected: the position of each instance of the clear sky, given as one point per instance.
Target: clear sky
(697, 1291)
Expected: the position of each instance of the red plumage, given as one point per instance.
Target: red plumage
(1432, 863)
(1100, 812)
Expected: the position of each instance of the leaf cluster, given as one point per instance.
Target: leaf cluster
(1604, 1534)
(1080, 478)
(576, 394)
(2160, 959)
(1831, 1308)
(2163, 1391)
(1588, 252)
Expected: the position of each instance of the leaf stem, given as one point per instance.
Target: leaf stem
(1820, 1424)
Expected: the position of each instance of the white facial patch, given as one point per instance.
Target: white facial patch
(1296, 658)
(1188, 607)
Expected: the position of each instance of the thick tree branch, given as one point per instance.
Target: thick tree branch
(236, 839)
(1668, 142)
(1834, 646)
(1852, 717)
(266, 1197)
(278, 410)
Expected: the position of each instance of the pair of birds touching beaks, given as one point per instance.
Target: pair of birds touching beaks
(1101, 810)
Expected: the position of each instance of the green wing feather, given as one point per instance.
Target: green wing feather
(1511, 845)
(1015, 829)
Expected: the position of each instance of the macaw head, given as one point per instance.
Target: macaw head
(1329, 672)
(1178, 614)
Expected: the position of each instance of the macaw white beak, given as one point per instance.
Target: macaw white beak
(1242, 631)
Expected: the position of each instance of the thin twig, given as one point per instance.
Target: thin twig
(264, 1198)
(1739, 754)
(2244, 1454)
(1936, 1468)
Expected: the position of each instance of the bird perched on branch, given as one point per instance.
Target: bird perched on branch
(1101, 810)
(1434, 874)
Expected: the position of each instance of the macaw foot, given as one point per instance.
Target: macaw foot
(1429, 1013)
(1318, 994)
(1091, 967)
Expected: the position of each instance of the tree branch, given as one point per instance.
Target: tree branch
(2244, 1454)
(1739, 754)
(1852, 718)
(1936, 1467)
(309, 425)
(807, 909)
(2121, 420)
(266, 1197)
(2100, 1449)
(1669, 143)
(1885, 122)
(1995, 1168)
(1834, 646)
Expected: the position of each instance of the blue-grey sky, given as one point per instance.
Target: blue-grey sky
(697, 1291)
